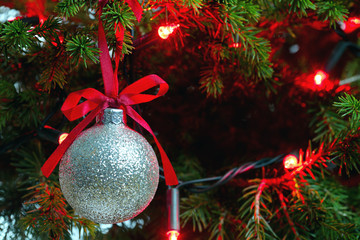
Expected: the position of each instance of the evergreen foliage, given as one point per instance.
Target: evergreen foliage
(236, 95)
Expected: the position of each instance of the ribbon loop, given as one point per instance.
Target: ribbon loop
(132, 94)
(73, 111)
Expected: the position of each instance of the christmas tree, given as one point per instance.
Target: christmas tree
(260, 121)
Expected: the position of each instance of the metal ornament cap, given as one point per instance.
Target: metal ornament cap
(110, 173)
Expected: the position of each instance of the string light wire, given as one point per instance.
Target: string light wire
(192, 186)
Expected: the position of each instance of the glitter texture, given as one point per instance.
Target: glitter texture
(110, 173)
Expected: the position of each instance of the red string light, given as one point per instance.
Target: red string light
(319, 77)
(235, 45)
(291, 161)
(173, 235)
(165, 31)
(62, 137)
(317, 81)
(351, 24)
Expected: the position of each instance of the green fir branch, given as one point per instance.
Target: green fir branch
(328, 125)
(349, 106)
(16, 34)
(256, 49)
(195, 5)
(117, 12)
(345, 154)
(81, 48)
(198, 210)
(334, 11)
(49, 214)
(300, 7)
(69, 8)
(49, 30)
(20, 107)
(237, 13)
(211, 81)
(54, 75)
(127, 45)
(218, 230)
(254, 212)
(11, 205)
(325, 211)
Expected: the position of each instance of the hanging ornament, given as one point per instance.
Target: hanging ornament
(110, 173)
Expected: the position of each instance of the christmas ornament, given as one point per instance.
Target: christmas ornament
(110, 173)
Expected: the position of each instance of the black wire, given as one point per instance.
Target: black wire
(54, 110)
(221, 180)
(27, 137)
(226, 178)
(198, 181)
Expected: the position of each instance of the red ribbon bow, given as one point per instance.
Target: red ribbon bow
(96, 102)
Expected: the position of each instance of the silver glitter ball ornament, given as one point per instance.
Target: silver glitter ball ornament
(110, 173)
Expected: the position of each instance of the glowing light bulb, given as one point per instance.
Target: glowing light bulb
(62, 137)
(291, 161)
(319, 77)
(351, 24)
(165, 31)
(173, 235)
(235, 45)
(355, 20)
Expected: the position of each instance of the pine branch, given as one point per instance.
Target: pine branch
(49, 214)
(55, 74)
(195, 5)
(11, 206)
(329, 125)
(50, 30)
(19, 107)
(118, 13)
(325, 205)
(349, 106)
(301, 7)
(211, 81)
(197, 209)
(290, 221)
(236, 14)
(69, 8)
(80, 48)
(16, 34)
(345, 154)
(218, 230)
(114, 14)
(127, 46)
(255, 213)
(334, 11)
(28, 162)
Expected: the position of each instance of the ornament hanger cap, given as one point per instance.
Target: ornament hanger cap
(111, 115)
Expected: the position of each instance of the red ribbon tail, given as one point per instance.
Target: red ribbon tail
(55, 157)
(111, 86)
(169, 172)
(136, 8)
(170, 175)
